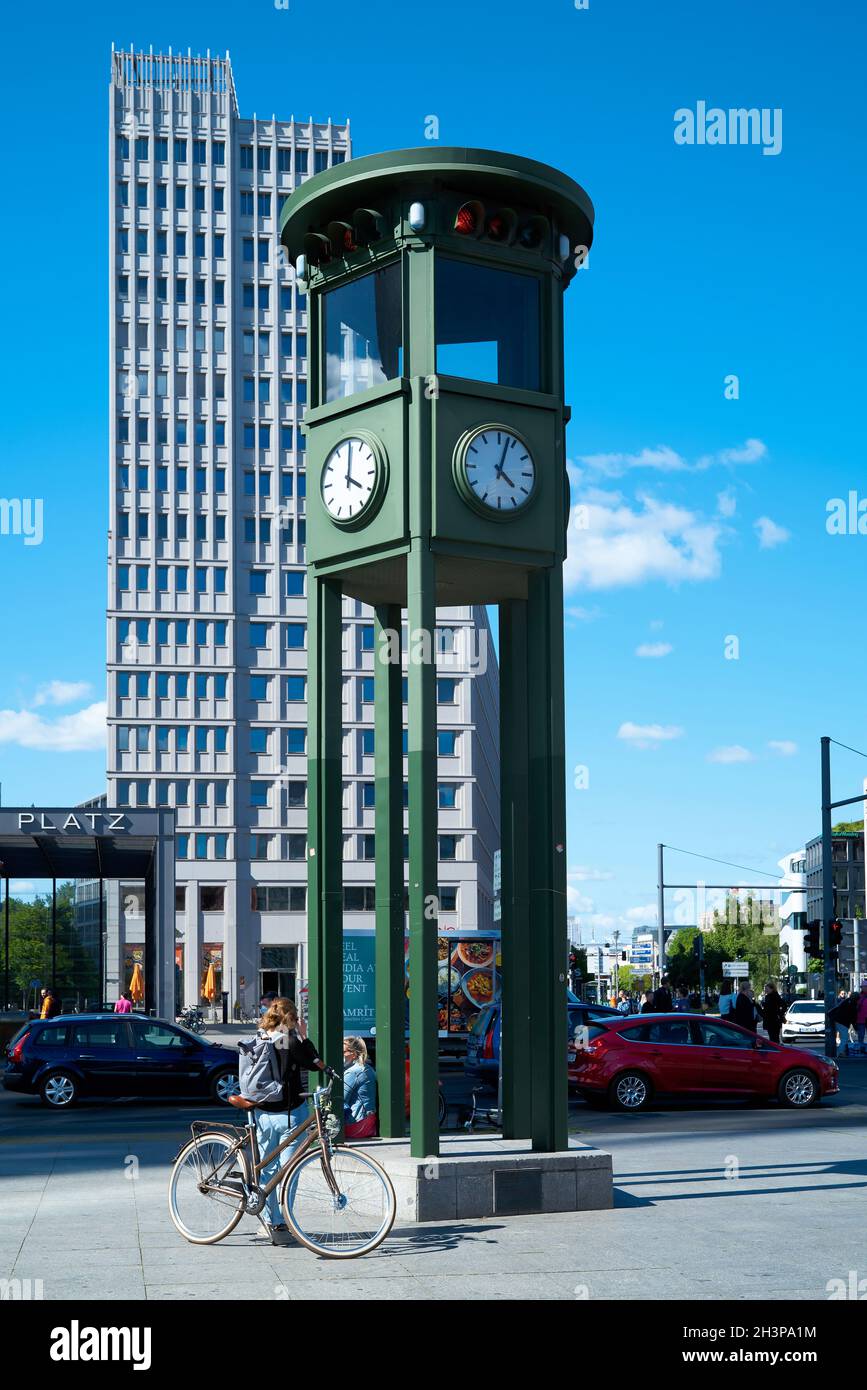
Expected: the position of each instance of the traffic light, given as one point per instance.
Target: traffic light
(812, 941)
(504, 225)
(836, 935)
(341, 237)
(698, 946)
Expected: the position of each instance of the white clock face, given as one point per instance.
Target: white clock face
(349, 478)
(499, 470)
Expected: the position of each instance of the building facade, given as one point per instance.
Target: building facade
(206, 622)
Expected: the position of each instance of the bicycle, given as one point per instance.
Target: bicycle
(492, 1118)
(338, 1202)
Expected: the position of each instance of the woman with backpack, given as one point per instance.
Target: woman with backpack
(359, 1091)
(270, 1079)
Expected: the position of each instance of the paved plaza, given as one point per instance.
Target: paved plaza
(713, 1202)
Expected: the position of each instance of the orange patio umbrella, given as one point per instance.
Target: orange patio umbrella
(136, 984)
(209, 988)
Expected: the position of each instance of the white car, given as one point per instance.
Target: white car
(805, 1019)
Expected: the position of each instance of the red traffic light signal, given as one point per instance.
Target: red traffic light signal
(836, 934)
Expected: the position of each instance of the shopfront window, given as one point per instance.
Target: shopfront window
(488, 324)
(277, 971)
(362, 333)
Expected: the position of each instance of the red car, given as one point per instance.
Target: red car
(629, 1061)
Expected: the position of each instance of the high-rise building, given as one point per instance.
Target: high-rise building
(206, 628)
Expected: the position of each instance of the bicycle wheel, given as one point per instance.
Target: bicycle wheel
(202, 1215)
(345, 1225)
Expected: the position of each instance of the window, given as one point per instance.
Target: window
(259, 793)
(295, 688)
(105, 1033)
(448, 896)
(359, 898)
(447, 743)
(295, 634)
(278, 898)
(181, 151)
(675, 1033)
(296, 795)
(487, 324)
(718, 1035)
(246, 156)
(446, 691)
(448, 846)
(294, 583)
(246, 203)
(296, 847)
(362, 333)
(258, 740)
(211, 898)
(259, 846)
(447, 796)
(263, 158)
(296, 741)
(259, 688)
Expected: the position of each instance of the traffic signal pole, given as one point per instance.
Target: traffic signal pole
(828, 901)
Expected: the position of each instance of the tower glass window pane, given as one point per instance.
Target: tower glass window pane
(488, 324)
(362, 336)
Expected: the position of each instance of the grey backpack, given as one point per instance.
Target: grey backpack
(260, 1075)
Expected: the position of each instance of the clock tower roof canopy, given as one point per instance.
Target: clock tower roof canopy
(430, 174)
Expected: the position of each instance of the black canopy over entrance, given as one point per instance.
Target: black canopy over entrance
(100, 843)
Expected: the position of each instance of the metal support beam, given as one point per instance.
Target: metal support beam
(828, 900)
(325, 820)
(53, 933)
(547, 859)
(514, 840)
(660, 907)
(423, 895)
(390, 969)
(6, 949)
(101, 1000)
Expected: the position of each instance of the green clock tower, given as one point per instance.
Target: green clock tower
(437, 476)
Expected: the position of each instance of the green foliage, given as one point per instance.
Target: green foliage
(71, 967)
(726, 941)
(848, 827)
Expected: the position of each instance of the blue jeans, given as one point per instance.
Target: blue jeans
(272, 1126)
(842, 1035)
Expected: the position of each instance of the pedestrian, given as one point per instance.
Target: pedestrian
(623, 1004)
(50, 1004)
(124, 1003)
(726, 999)
(359, 1091)
(267, 1000)
(681, 1003)
(746, 1012)
(773, 1011)
(695, 1002)
(662, 1001)
(270, 1080)
(647, 1005)
(861, 1016)
(843, 1016)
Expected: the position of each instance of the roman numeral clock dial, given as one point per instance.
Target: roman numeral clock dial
(352, 480)
(495, 471)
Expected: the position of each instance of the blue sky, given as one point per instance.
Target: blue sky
(706, 516)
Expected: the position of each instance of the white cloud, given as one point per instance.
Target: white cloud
(654, 649)
(727, 503)
(750, 452)
(663, 459)
(784, 746)
(582, 615)
(770, 534)
(61, 693)
(584, 873)
(577, 902)
(642, 915)
(71, 733)
(734, 753)
(648, 735)
(610, 544)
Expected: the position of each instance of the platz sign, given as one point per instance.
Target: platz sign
(72, 822)
(737, 969)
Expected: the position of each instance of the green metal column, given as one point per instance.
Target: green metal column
(325, 819)
(514, 843)
(423, 898)
(547, 859)
(390, 974)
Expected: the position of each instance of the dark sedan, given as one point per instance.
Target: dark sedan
(62, 1059)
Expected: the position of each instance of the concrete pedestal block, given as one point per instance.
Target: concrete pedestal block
(479, 1176)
